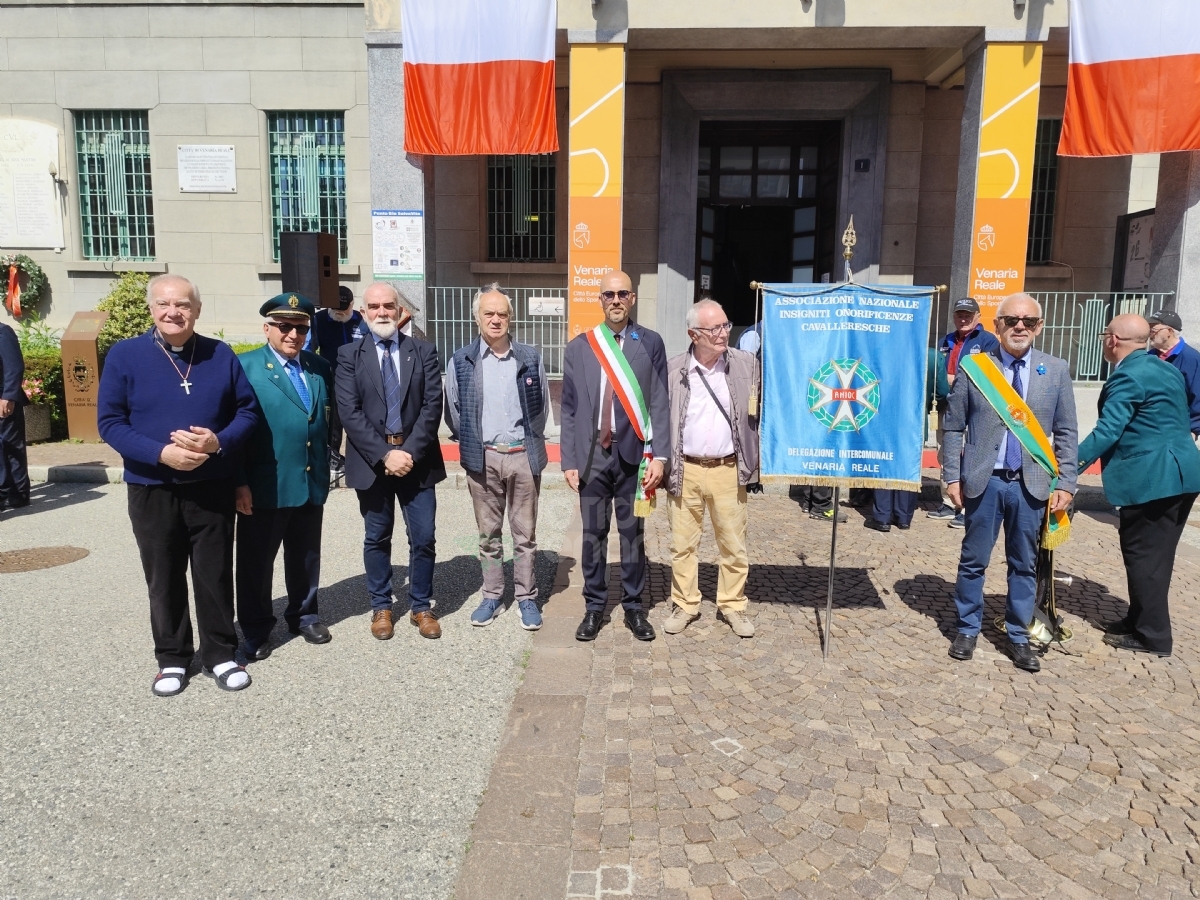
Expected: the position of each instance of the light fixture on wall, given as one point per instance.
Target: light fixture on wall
(53, 169)
(1018, 6)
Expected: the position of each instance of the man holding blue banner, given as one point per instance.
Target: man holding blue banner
(614, 443)
(1017, 469)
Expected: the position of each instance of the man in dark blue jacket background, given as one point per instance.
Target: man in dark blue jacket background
(1168, 344)
(14, 471)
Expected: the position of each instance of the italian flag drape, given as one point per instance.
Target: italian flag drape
(1134, 81)
(479, 76)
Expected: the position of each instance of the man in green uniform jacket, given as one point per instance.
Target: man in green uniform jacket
(1151, 471)
(284, 478)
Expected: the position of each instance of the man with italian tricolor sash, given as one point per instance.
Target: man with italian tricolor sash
(614, 442)
(1010, 459)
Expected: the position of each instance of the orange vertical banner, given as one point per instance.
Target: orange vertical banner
(596, 177)
(1004, 173)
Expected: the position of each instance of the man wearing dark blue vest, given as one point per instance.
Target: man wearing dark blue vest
(497, 398)
(284, 478)
(1151, 471)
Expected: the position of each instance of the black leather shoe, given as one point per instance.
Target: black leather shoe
(314, 634)
(1024, 657)
(876, 525)
(637, 622)
(963, 646)
(904, 526)
(1129, 642)
(1119, 626)
(259, 653)
(589, 627)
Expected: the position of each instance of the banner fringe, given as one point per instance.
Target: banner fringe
(882, 484)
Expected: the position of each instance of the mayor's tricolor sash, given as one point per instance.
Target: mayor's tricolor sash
(626, 389)
(1022, 424)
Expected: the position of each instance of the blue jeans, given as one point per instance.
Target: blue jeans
(419, 509)
(1004, 503)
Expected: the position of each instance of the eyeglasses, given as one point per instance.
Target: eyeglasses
(1011, 321)
(716, 331)
(610, 296)
(1117, 337)
(286, 327)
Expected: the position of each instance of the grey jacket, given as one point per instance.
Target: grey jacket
(741, 375)
(974, 430)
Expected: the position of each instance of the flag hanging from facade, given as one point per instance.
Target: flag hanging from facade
(479, 76)
(1134, 80)
(844, 384)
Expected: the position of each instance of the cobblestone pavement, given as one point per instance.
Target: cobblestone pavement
(714, 768)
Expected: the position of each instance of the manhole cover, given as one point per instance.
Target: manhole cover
(31, 559)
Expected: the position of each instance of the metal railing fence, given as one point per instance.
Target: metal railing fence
(1074, 320)
(450, 324)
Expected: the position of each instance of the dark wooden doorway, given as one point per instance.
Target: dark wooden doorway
(766, 207)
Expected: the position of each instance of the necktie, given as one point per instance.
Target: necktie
(606, 410)
(391, 389)
(1012, 452)
(298, 382)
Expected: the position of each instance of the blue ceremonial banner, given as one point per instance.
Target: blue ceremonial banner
(844, 369)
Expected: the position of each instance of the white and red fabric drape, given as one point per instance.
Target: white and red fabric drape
(479, 76)
(1134, 80)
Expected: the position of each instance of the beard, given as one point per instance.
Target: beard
(341, 315)
(385, 331)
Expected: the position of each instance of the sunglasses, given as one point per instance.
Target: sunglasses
(286, 327)
(1011, 321)
(610, 296)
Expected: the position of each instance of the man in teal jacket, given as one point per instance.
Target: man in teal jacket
(1151, 471)
(284, 478)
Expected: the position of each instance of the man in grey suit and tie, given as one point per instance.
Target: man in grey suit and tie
(996, 480)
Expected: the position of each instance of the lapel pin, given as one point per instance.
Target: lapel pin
(270, 365)
(633, 336)
(1041, 370)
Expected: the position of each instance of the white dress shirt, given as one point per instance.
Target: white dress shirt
(706, 432)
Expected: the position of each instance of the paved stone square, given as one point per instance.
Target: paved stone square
(715, 768)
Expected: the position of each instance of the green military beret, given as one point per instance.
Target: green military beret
(290, 304)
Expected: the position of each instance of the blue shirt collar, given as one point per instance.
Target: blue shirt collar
(283, 360)
(1007, 358)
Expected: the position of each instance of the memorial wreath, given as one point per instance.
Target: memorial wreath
(35, 282)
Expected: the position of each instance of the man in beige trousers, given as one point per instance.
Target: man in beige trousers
(714, 393)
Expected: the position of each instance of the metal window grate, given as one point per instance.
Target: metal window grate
(116, 202)
(1045, 187)
(521, 208)
(450, 325)
(308, 175)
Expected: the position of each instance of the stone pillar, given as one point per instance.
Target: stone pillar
(1175, 252)
(398, 180)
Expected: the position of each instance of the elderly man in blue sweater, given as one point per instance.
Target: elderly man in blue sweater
(178, 408)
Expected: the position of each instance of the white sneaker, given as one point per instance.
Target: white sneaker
(678, 620)
(738, 624)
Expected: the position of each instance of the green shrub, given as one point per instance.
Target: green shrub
(244, 346)
(128, 314)
(46, 366)
(35, 336)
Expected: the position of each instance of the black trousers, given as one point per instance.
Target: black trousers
(813, 498)
(612, 484)
(14, 470)
(1149, 536)
(259, 536)
(178, 524)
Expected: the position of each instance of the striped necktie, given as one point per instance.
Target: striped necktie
(391, 389)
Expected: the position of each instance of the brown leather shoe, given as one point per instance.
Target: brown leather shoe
(426, 622)
(381, 624)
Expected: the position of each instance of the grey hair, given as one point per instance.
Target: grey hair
(493, 288)
(153, 283)
(693, 314)
(1021, 296)
(387, 284)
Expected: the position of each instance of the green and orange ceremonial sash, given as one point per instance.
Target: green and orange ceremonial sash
(1024, 426)
(627, 390)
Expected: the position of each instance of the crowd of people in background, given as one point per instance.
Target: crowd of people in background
(234, 456)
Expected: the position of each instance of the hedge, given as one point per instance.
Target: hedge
(48, 367)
